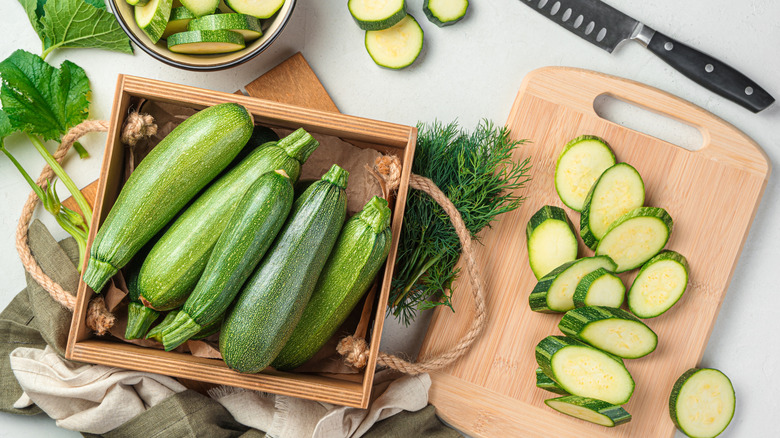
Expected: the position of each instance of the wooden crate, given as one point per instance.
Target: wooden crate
(344, 389)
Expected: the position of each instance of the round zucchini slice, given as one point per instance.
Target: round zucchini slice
(702, 402)
(377, 15)
(257, 8)
(554, 292)
(551, 240)
(636, 237)
(618, 190)
(599, 288)
(396, 47)
(610, 329)
(445, 12)
(659, 285)
(247, 25)
(581, 163)
(205, 42)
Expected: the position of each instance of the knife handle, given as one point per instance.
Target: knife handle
(710, 73)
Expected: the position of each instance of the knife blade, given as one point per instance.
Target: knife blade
(606, 27)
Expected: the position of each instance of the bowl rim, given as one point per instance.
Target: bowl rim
(195, 67)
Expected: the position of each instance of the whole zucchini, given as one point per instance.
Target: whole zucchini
(248, 235)
(177, 261)
(139, 317)
(271, 302)
(172, 174)
(361, 250)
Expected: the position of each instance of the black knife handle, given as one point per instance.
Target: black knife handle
(710, 73)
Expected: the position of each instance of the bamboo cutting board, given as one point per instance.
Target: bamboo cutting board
(712, 194)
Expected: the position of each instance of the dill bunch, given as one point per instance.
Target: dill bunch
(478, 175)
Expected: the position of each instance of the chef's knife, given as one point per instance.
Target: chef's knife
(606, 27)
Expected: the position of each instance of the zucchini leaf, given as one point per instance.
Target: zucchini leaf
(5, 127)
(40, 99)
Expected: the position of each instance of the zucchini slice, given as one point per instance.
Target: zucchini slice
(137, 2)
(610, 329)
(180, 18)
(659, 285)
(377, 15)
(702, 402)
(257, 8)
(247, 25)
(554, 292)
(590, 409)
(396, 47)
(152, 18)
(599, 288)
(636, 237)
(544, 381)
(618, 190)
(205, 42)
(583, 370)
(551, 240)
(445, 12)
(580, 164)
(200, 8)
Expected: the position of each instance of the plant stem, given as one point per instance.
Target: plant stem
(81, 150)
(36, 188)
(417, 276)
(86, 210)
(78, 235)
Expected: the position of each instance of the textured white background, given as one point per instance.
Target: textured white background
(472, 71)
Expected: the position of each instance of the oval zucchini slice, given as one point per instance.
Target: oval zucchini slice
(257, 8)
(609, 329)
(636, 237)
(659, 285)
(702, 402)
(247, 25)
(396, 47)
(543, 381)
(153, 17)
(201, 7)
(551, 240)
(377, 15)
(554, 292)
(180, 18)
(618, 190)
(205, 42)
(580, 164)
(590, 409)
(599, 288)
(445, 12)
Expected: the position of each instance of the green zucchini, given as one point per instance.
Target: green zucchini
(551, 240)
(374, 15)
(609, 329)
(165, 181)
(543, 381)
(177, 261)
(599, 288)
(590, 409)
(272, 300)
(257, 8)
(702, 402)
(206, 42)
(445, 12)
(659, 285)
(395, 47)
(156, 332)
(636, 237)
(247, 25)
(137, 2)
(581, 163)
(139, 317)
(152, 18)
(248, 234)
(583, 370)
(200, 8)
(361, 250)
(618, 190)
(180, 18)
(554, 292)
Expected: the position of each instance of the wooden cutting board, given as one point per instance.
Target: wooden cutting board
(712, 194)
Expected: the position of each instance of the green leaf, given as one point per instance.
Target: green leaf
(40, 99)
(100, 4)
(34, 10)
(5, 126)
(75, 23)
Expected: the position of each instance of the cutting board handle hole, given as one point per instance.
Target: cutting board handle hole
(648, 122)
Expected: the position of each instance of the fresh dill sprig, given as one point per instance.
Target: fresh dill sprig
(479, 175)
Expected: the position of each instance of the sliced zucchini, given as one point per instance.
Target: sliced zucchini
(580, 164)
(445, 12)
(180, 18)
(257, 8)
(551, 240)
(618, 190)
(205, 42)
(583, 370)
(659, 285)
(554, 292)
(153, 17)
(636, 237)
(200, 8)
(396, 47)
(609, 329)
(590, 409)
(544, 381)
(702, 402)
(599, 288)
(377, 15)
(247, 25)
(137, 2)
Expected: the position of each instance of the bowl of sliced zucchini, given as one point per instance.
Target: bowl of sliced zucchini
(203, 35)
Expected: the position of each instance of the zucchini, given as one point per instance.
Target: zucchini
(156, 332)
(583, 370)
(152, 18)
(702, 402)
(272, 300)
(543, 381)
(599, 288)
(200, 8)
(165, 181)
(659, 285)
(636, 237)
(137, 2)
(180, 18)
(173, 267)
(139, 317)
(551, 240)
(396, 47)
(206, 42)
(247, 25)
(618, 190)
(445, 12)
(581, 163)
(360, 252)
(248, 234)
(609, 329)
(554, 292)
(377, 15)
(590, 409)
(257, 8)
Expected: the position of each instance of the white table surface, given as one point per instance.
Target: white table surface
(472, 71)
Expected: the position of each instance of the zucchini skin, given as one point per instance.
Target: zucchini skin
(543, 381)
(165, 181)
(272, 300)
(433, 18)
(360, 252)
(139, 317)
